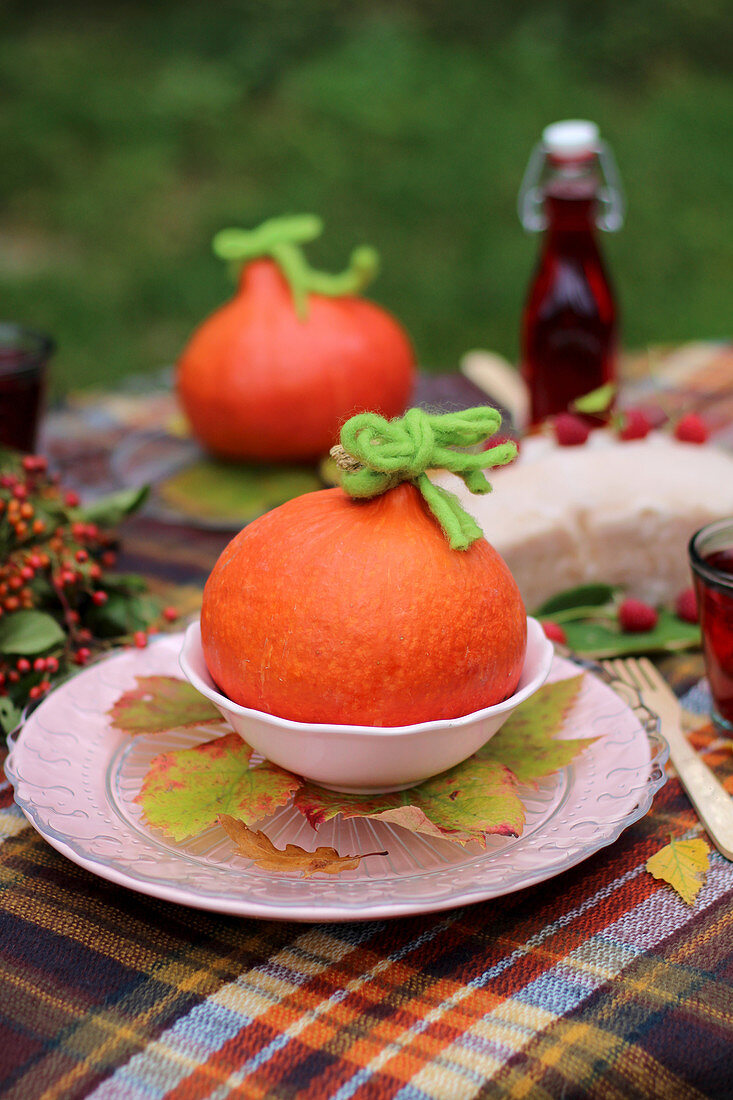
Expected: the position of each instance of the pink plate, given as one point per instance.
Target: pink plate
(76, 778)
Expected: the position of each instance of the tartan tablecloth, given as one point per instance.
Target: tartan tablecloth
(600, 982)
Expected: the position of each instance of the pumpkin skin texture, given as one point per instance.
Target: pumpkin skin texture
(258, 383)
(333, 610)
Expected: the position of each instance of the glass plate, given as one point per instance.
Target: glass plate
(76, 779)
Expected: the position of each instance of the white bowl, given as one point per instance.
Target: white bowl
(367, 759)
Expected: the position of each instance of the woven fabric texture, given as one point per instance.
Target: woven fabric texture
(601, 983)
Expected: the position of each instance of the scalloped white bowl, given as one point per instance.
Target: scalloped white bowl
(367, 759)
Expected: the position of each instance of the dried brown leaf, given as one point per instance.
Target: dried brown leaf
(258, 847)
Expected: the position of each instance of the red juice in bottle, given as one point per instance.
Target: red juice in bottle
(715, 603)
(569, 324)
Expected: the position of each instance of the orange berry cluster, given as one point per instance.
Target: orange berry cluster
(54, 561)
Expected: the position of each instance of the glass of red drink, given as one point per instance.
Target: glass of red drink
(711, 559)
(24, 357)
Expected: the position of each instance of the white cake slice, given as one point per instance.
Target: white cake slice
(609, 511)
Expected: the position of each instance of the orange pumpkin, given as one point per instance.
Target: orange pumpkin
(274, 373)
(335, 610)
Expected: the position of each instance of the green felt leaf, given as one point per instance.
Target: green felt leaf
(112, 509)
(527, 742)
(604, 638)
(161, 703)
(185, 791)
(471, 800)
(25, 633)
(584, 595)
(221, 491)
(597, 401)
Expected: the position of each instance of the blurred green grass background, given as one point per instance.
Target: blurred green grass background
(131, 132)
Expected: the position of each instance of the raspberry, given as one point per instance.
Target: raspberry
(554, 632)
(636, 617)
(170, 614)
(691, 429)
(140, 639)
(35, 464)
(635, 425)
(685, 606)
(570, 430)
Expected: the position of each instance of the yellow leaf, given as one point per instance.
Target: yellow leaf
(257, 846)
(683, 864)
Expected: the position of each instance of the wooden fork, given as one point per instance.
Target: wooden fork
(711, 800)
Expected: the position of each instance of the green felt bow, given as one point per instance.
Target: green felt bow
(281, 240)
(376, 454)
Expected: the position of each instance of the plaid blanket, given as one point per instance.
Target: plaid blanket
(599, 983)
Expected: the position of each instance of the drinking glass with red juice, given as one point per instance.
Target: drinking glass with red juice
(569, 330)
(711, 560)
(24, 356)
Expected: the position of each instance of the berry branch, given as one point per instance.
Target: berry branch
(60, 603)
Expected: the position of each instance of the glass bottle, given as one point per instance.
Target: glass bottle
(569, 329)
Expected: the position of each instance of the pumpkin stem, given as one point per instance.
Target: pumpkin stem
(281, 239)
(376, 454)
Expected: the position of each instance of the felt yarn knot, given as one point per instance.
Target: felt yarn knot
(376, 454)
(282, 239)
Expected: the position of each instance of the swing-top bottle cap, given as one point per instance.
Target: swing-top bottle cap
(574, 137)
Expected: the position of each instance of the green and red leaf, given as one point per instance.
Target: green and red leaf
(527, 743)
(161, 703)
(186, 790)
(471, 800)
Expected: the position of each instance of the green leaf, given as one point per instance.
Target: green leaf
(122, 614)
(161, 703)
(24, 633)
(527, 744)
(124, 583)
(597, 639)
(10, 715)
(465, 803)
(597, 401)
(112, 509)
(185, 791)
(112, 619)
(231, 492)
(584, 595)
(575, 614)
